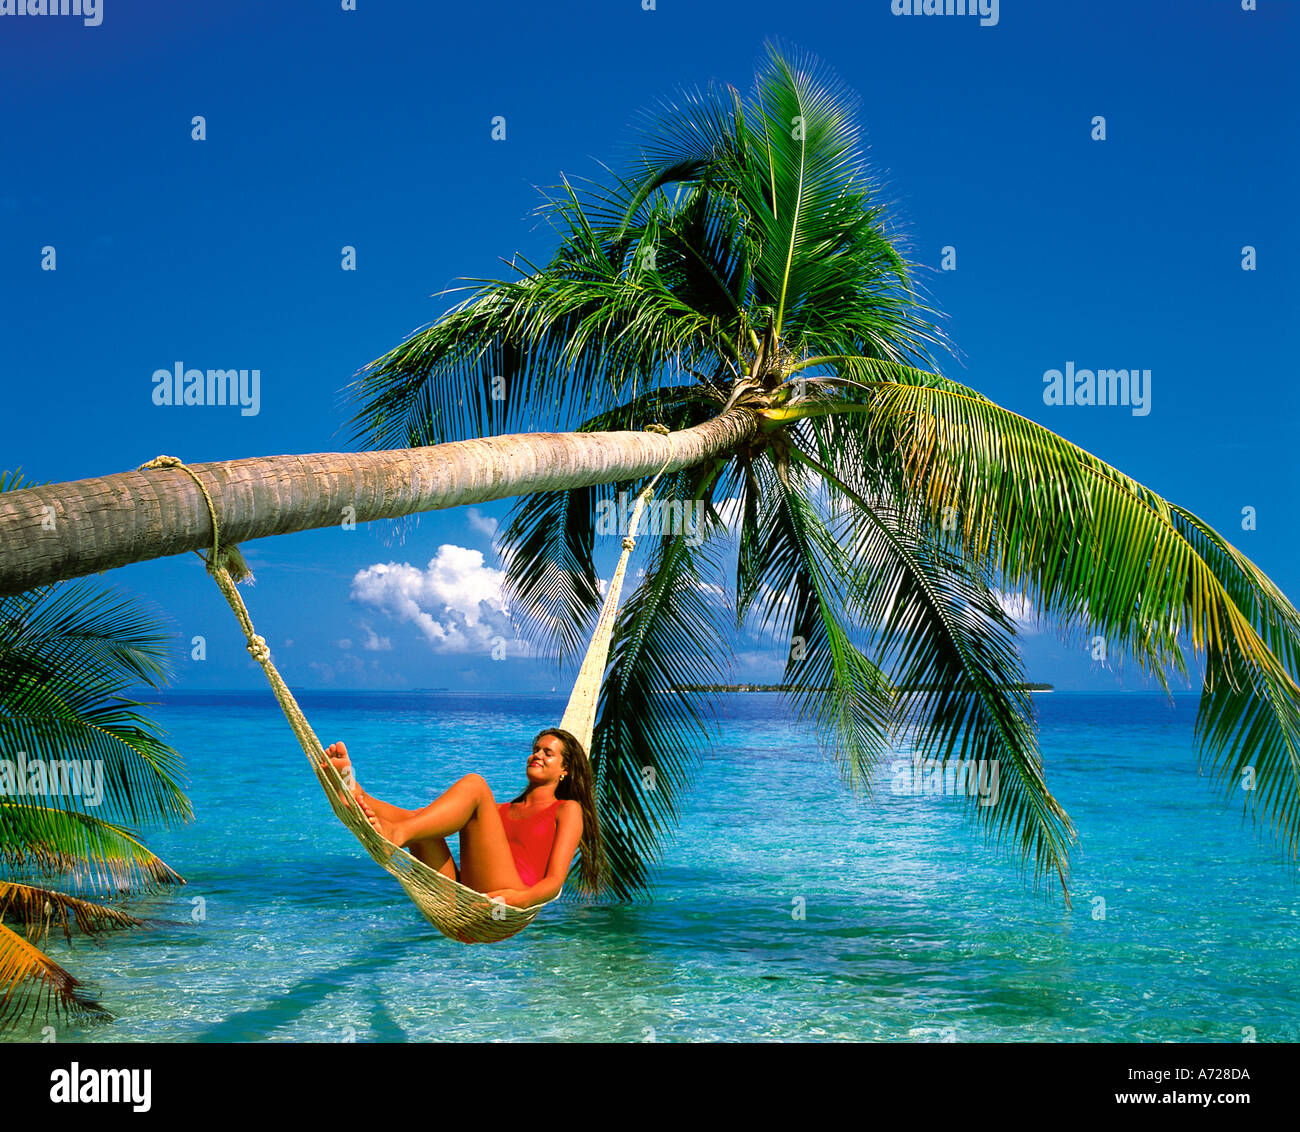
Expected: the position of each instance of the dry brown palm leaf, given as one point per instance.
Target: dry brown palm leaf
(37, 909)
(29, 977)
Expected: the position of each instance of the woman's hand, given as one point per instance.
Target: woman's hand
(511, 896)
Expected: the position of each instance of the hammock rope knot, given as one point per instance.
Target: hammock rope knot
(177, 462)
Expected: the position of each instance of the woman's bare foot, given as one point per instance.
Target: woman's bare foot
(387, 830)
(337, 754)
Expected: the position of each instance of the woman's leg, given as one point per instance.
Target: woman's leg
(486, 862)
(469, 809)
(433, 851)
(436, 853)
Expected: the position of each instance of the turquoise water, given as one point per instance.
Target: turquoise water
(913, 930)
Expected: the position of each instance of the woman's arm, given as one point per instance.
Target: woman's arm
(568, 832)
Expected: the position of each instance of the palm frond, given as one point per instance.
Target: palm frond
(29, 978)
(645, 745)
(38, 909)
(550, 575)
(1091, 545)
(12, 480)
(81, 625)
(134, 769)
(66, 656)
(92, 854)
(798, 584)
(821, 271)
(594, 327)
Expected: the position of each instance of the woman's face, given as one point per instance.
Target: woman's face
(546, 763)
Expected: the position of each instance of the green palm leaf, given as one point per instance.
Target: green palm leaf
(1091, 545)
(800, 590)
(66, 654)
(550, 576)
(822, 274)
(589, 330)
(93, 854)
(646, 741)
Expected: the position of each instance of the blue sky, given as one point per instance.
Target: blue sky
(372, 128)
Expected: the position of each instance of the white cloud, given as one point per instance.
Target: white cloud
(484, 524)
(373, 641)
(456, 601)
(344, 666)
(1019, 608)
(345, 643)
(774, 604)
(324, 671)
(768, 662)
(351, 671)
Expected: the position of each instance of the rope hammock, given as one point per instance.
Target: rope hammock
(456, 910)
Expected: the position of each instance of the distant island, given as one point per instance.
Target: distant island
(796, 688)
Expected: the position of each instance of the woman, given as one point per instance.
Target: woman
(519, 851)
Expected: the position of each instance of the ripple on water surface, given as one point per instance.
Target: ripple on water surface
(783, 909)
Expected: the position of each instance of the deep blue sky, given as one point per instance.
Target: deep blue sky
(372, 128)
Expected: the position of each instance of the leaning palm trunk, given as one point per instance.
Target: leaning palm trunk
(68, 530)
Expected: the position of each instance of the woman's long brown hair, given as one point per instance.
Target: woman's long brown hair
(579, 784)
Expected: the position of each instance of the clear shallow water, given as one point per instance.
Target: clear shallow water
(914, 930)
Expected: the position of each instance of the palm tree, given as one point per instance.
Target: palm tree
(66, 654)
(743, 263)
(738, 285)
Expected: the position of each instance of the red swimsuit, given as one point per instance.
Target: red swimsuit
(530, 840)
